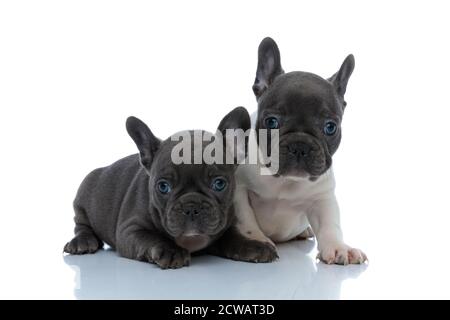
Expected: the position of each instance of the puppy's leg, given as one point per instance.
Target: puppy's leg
(245, 241)
(145, 245)
(85, 240)
(246, 224)
(308, 233)
(234, 246)
(325, 221)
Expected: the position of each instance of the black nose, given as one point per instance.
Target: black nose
(299, 149)
(192, 209)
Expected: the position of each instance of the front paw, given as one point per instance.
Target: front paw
(82, 244)
(168, 256)
(251, 251)
(341, 254)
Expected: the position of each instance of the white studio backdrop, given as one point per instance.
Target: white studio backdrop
(71, 72)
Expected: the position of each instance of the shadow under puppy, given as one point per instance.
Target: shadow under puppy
(307, 111)
(150, 209)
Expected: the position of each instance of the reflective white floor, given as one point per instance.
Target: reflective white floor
(400, 267)
(296, 275)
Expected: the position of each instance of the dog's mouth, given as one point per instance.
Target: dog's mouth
(179, 225)
(191, 215)
(303, 159)
(301, 170)
(192, 241)
(196, 231)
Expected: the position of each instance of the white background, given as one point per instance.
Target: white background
(72, 71)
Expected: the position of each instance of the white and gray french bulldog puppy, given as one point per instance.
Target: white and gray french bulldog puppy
(298, 201)
(150, 209)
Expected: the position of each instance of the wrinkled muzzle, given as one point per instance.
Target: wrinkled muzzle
(303, 155)
(194, 214)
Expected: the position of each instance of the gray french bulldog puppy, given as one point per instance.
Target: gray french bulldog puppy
(298, 200)
(150, 209)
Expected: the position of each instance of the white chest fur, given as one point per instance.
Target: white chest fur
(281, 204)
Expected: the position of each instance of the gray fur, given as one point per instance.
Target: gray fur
(121, 205)
(303, 103)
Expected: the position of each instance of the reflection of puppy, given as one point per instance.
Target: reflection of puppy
(295, 276)
(149, 209)
(307, 110)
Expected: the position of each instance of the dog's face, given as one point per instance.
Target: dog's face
(306, 109)
(193, 201)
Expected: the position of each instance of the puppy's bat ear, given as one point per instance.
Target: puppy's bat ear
(340, 78)
(237, 119)
(146, 142)
(269, 66)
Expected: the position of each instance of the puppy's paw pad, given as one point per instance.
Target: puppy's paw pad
(83, 244)
(169, 257)
(341, 254)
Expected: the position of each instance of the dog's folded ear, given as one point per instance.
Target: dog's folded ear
(237, 123)
(340, 78)
(269, 66)
(146, 142)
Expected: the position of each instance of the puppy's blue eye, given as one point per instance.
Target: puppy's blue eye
(272, 123)
(330, 128)
(218, 184)
(164, 187)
